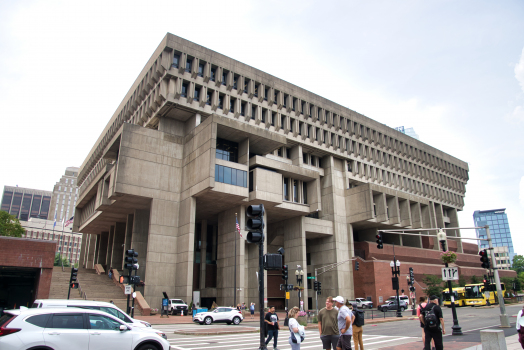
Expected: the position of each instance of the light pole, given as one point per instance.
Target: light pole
(456, 330)
(395, 271)
(299, 273)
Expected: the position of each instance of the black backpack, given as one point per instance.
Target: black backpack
(430, 319)
(359, 318)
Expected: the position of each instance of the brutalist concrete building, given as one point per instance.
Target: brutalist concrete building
(200, 136)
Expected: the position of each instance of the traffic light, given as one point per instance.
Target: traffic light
(134, 280)
(486, 283)
(315, 286)
(356, 266)
(255, 223)
(484, 259)
(123, 279)
(411, 276)
(284, 272)
(380, 242)
(131, 261)
(72, 278)
(75, 285)
(319, 287)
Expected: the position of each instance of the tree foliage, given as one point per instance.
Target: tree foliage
(433, 284)
(518, 263)
(474, 280)
(9, 225)
(59, 260)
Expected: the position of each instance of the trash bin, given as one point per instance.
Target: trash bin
(196, 311)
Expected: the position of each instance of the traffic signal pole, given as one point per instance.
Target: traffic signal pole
(504, 320)
(261, 293)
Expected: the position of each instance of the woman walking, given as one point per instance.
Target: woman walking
(294, 328)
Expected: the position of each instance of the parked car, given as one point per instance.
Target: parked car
(111, 309)
(177, 306)
(392, 305)
(74, 328)
(362, 303)
(401, 297)
(220, 314)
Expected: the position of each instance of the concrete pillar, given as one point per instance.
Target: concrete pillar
(227, 234)
(203, 254)
(118, 245)
(129, 232)
(83, 250)
(109, 259)
(185, 240)
(102, 253)
(91, 252)
(295, 247)
(493, 339)
(405, 213)
(139, 239)
(97, 250)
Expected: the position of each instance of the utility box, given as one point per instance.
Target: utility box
(272, 262)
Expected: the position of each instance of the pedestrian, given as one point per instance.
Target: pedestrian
(243, 306)
(433, 320)
(271, 320)
(252, 310)
(520, 326)
(328, 325)
(345, 320)
(214, 306)
(423, 301)
(357, 328)
(294, 328)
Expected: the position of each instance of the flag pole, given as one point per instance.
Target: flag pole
(235, 283)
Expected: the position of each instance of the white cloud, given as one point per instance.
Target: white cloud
(519, 70)
(517, 116)
(521, 191)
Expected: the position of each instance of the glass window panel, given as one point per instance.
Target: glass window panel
(220, 173)
(67, 321)
(245, 178)
(240, 178)
(103, 322)
(234, 177)
(216, 172)
(227, 175)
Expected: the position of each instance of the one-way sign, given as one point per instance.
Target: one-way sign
(450, 273)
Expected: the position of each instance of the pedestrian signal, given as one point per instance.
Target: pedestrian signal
(284, 272)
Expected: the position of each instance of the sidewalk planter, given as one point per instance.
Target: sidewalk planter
(302, 320)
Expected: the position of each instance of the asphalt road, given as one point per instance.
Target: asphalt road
(383, 335)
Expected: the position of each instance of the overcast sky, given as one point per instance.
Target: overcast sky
(453, 70)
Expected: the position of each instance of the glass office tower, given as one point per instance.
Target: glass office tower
(498, 229)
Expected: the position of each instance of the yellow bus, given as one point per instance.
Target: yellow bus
(474, 295)
(458, 293)
(477, 295)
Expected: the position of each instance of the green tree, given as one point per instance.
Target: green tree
(518, 263)
(474, 280)
(433, 285)
(9, 225)
(59, 261)
(462, 281)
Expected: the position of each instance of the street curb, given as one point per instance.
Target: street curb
(217, 331)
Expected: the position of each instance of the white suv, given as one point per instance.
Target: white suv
(72, 328)
(220, 314)
(111, 309)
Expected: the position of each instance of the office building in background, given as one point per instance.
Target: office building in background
(25, 203)
(408, 131)
(64, 197)
(499, 231)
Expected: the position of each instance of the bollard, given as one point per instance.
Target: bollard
(493, 339)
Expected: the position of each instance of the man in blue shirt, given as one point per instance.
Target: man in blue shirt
(345, 321)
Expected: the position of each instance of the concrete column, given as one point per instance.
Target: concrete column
(185, 240)
(139, 239)
(109, 259)
(227, 234)
(118, 245)
(97, 250)
(405, 213)
(102, 253)
(203, 248)
(129, 231)
(83, 250)
(91, 252)
(295, 247)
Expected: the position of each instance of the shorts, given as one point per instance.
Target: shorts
(329, 341)
(252, 312)
(344, 342)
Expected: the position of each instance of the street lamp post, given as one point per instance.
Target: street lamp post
(395, 271)
(456, 329)
(300, 275)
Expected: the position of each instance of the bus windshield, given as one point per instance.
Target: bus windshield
(473, 292)
(447, 298)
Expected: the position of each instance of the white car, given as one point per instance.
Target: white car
(111, 309)
(73, 328)
(220, 314)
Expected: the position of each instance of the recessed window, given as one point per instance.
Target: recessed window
(300, 125)
(305, 158)
(276, 95)
(185, 89)
(286, 189)
(246, 83)
(295, 191)
(188, 64)
(253, 111)
(213, 73)
(220, 101)
(232, 105)
(295, 100)
(201, 69)
(291, 124)
(273, 116)
(285, 100)
(176, 61)
(235, 81)
(224, 76)
(282, 121)
(257, 86)
(208, 97)
(279, 152)
(243, 109)
(227, 150)
(266, 93)
(197, 93)
(304, 196)
(288, 153)
(264, 113)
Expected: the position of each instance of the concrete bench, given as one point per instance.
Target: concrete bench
(99, 269)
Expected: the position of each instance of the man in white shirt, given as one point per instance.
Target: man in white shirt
(345, 321)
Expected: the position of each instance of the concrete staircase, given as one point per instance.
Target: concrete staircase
(96, 287)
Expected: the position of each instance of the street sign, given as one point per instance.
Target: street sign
(311, 278)
(128, 290)
(287, 295)
(450, 273)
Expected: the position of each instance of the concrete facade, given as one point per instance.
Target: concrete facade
(200, 136)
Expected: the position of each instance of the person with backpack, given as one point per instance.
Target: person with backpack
(357, 327)
(433, 320)
(328, 325)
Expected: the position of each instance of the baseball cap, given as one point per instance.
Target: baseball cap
(339, 299)
(433, 297)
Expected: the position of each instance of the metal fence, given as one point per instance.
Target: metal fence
(372, 314)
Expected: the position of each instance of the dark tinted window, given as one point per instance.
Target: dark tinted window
(69, 321)
(35, 305)
(5, 318)
(103, 322)
(38, 320)
(116, 313)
